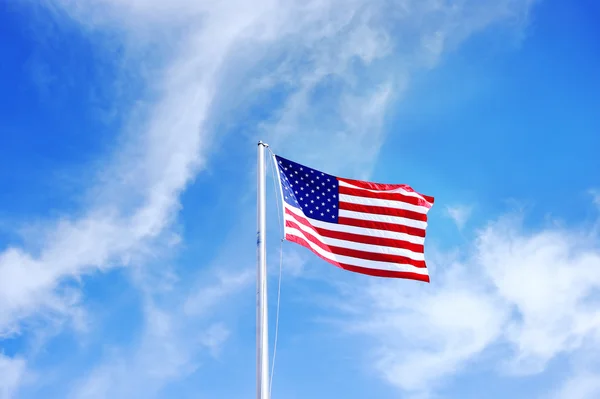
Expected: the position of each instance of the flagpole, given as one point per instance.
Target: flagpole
(262, 323)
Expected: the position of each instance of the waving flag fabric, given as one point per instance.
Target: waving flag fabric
(364, 227)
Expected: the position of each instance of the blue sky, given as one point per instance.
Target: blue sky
(127, 209)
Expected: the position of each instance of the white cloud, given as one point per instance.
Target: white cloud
(12, 372)
(550, 278)
(163, 357)
(533, 292)
(596, 197)
(150, 172)
(293, 261)
(209, 297)
(177, 337)
(459, 214)
(583, 385)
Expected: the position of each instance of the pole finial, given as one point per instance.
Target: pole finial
(260, 142)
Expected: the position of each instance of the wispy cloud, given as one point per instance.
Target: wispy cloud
(582, 385)
(293, 261)
(212, 295)
(595, 197)
(459, 214)
(178, 335)
(12, 372)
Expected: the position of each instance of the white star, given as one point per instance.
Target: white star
(334, 206)
(323, 203)
(301, 188)
(328, 210)
(322, 214)
(333, 216)
(312, 201)
(316, 207)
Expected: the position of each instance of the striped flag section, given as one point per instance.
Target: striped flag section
(363, 227)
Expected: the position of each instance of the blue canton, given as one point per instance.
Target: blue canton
(314, 192)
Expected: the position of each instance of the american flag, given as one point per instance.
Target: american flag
(364, 227)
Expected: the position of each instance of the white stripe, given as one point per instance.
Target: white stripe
(399, 190)
(383, 218)
(370, 264)
(382, 202)
(378, 249)
(356, 230)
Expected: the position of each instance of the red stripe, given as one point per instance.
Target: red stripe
(311, 238)
(384, 187)
(358, 269)
(381, 241)
(356, 192)
(300, 219)
(383, 210)
(359, 238)
(356, 253)
(368, 224)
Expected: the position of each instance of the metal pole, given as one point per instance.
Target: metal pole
(262, 323)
